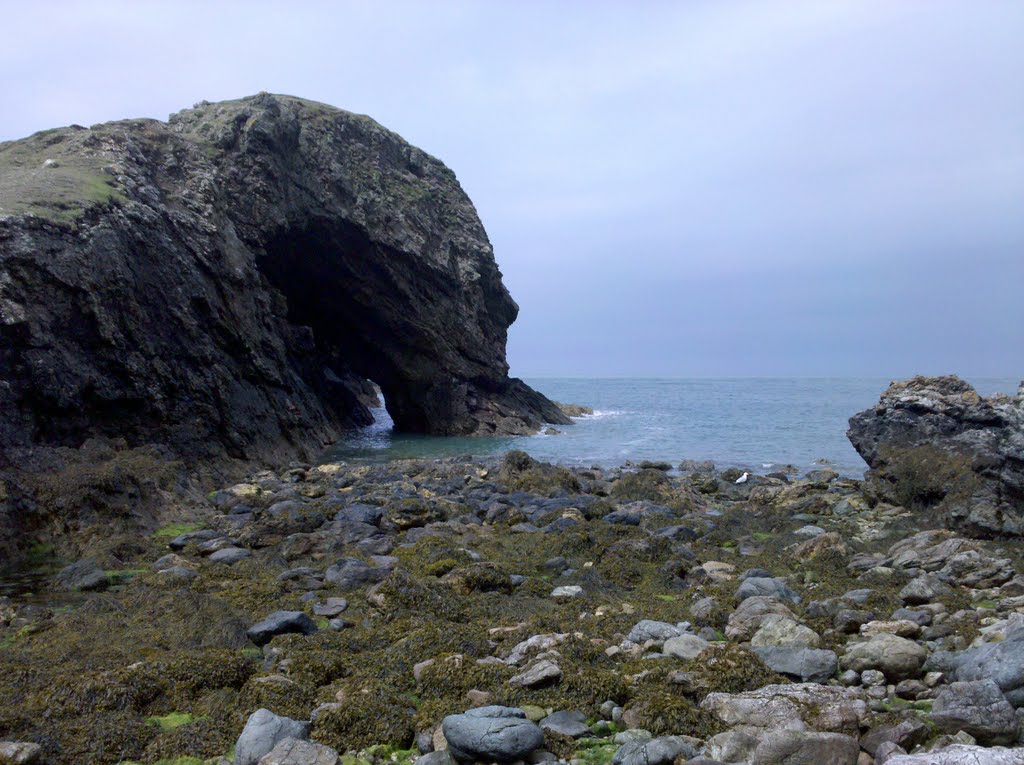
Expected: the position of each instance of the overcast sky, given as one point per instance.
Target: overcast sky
(672, 189)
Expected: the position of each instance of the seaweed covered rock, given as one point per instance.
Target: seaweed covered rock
(933, 442)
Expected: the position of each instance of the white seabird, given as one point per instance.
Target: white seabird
(743, 478)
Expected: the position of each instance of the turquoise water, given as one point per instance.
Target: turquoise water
(748, 423)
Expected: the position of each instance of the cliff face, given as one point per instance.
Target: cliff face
(226, 282)
(933, 443)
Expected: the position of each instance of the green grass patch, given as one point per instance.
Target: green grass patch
(170, 721)
(176, 530)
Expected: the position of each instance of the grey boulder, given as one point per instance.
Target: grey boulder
(293, 751)
(262, 732)
(767, 587)
(795, 747)
(977, 707)
(812, 665)
(280, 623)
(658, 751)
(961, 754)
(491, 734)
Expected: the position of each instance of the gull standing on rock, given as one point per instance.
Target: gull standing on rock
(743, 478)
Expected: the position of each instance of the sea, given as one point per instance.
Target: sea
(755, 424)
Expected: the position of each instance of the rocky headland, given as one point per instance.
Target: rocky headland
(453, 611)
(213, 294)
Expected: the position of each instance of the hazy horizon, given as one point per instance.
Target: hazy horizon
(700, 190)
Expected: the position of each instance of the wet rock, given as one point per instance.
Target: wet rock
(263, 731)
(977, 707)
(293, 751)
(499, 734)
(897, 657)
(83, 575)
(280, 623)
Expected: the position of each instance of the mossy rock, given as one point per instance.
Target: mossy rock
(368, 716)
(201, 738)
(664, 713)
(279, 694)
(480, 577)
(522, 472)
(728, 669)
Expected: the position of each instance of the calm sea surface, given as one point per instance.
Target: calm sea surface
(748, 423)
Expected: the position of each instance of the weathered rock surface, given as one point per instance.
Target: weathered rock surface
(977, 707)
(498, 734)
(262, 732)
(962, 754)
(226, 282)
(934, 442)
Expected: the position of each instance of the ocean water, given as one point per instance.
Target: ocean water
(754, 424)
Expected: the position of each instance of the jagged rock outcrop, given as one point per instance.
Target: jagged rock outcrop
(226, 282)
(933, 442)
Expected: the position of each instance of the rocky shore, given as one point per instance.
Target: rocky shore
(503, 611)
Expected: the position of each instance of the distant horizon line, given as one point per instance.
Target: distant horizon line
(1018, 377)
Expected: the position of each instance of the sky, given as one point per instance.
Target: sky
(673, 189)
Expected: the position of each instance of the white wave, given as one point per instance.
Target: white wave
(599, 413)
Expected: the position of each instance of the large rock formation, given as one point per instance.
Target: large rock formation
(933, 442)
(225, 283)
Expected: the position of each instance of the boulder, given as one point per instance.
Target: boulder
(280, 623)
(821, 707)
(263, 731)
(778, 630)
(934, 444)
(658, 751)
(810, 665)
(751, 613)
(293, 751)
(977, 707)
(796, 747)
(685, 646)
(924, 589)
(961, 754)
(765, 587)
(659, 632)
(897, 657)
(1002, 662)
(571, 724)
(491, 734)
(20, 753)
